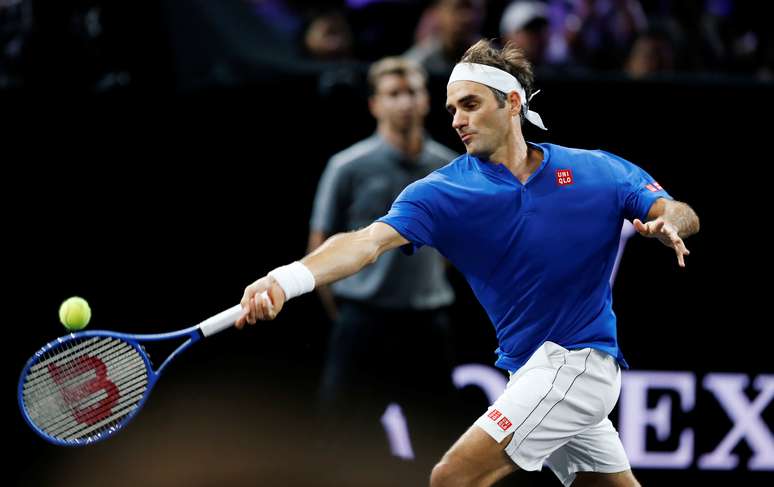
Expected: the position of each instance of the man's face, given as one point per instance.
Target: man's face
(480, 122)
(401, 101)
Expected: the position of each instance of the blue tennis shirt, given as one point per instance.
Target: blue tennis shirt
(537, 255)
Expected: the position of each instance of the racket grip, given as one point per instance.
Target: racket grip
(221, 321)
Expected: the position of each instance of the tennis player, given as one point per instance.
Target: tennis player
(535, 229)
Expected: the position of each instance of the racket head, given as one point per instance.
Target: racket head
(84, 387)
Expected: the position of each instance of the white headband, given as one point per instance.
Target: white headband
(499, 80)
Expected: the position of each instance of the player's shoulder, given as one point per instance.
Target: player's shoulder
(569, 154)
(583, 158)
(358, 153)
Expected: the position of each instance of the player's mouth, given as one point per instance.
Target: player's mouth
(466, 138)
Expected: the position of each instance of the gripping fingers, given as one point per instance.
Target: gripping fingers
(255, 303)
(264, 306)
(245, 303)
(256, 306)
(249, 304)
(266, 301)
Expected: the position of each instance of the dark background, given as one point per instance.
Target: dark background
(159, 204)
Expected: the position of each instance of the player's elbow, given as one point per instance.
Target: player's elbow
(370, 247)
(695, 225)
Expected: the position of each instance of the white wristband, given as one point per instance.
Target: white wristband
(295, 279)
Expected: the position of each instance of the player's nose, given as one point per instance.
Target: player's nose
(459, 121)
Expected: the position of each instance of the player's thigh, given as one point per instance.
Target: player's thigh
(596, 455)
(475, 459)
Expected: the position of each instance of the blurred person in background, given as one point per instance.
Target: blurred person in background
(526, 25)
(600, 32)
(653, 53)
(447, 28)
(328, 37)
(390, 338)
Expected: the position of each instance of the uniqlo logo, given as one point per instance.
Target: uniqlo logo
(564, 177)
(504, 424)
(494, 414)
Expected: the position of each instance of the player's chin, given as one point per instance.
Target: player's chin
(476, 151)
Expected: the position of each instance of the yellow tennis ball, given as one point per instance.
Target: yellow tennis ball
(75, 313)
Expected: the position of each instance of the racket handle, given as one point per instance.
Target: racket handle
(221, 321)
(225, 319)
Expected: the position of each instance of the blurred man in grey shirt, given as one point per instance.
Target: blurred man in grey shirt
(389, 342)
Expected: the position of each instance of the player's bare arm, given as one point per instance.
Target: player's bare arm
(670, 222)
(340, 256)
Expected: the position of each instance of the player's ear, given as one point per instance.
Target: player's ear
(515, 103)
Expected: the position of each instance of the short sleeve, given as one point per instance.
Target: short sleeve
(412, 215)
(636, 188)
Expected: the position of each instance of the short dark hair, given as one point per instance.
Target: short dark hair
(510, 59)
(392, 65)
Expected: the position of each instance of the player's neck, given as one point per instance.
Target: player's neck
(408, 143)
(517, 157)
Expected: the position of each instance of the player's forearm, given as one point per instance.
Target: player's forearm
(682, 217)
(341, 256)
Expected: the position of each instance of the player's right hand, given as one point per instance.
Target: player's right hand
(262, 300)
(666, 233)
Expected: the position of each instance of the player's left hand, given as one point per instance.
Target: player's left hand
(667, 235)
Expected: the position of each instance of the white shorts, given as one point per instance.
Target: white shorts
(556, 406)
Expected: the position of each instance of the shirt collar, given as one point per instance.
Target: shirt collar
(499, 170)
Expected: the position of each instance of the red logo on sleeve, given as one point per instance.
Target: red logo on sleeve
(494, 414)
(504, 424)
(564, 177)
(654, 187)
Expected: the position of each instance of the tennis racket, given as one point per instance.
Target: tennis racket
(85, 387)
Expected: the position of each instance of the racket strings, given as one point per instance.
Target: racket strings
(62, 374)
(84, 387)
(87, 408)
(127, 381)
(69, 348)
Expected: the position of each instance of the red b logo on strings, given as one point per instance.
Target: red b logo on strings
(74, 394)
